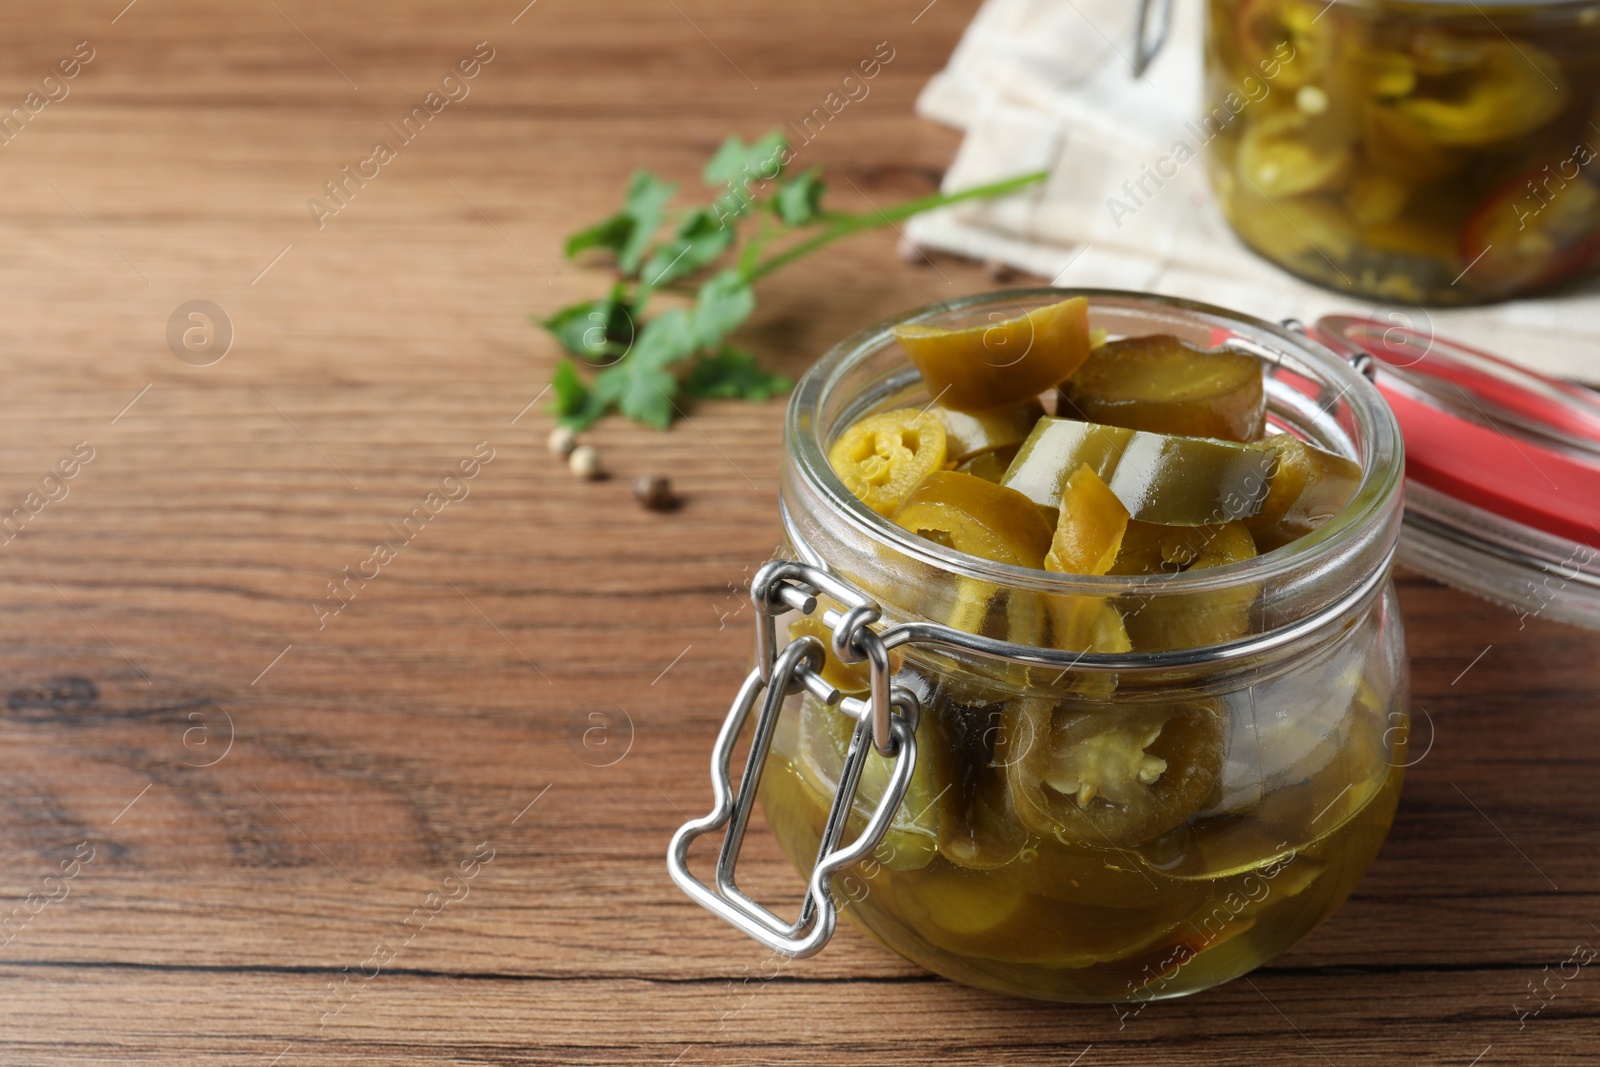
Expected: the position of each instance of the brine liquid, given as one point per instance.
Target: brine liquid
(1204, 905)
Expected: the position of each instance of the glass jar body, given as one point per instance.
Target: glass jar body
(1024, 857)
(1303, 769)
(1418, 152)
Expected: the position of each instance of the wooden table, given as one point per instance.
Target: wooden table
(379, 836)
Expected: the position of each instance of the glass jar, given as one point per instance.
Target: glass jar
(1105, 826)
(1418, 151)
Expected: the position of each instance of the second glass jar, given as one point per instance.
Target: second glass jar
(1418, 151)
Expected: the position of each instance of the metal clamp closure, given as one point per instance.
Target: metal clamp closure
(885, 721)
(1149, 34)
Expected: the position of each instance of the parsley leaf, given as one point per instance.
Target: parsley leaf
(696, 242)
(645, 202)
(637, 365)
(648, 398)
(576, 406)
(644, 394)
(629, 232)
(611, 234)
(740, 169)
(732, 374)
(761, 160)
(599, 331)
(724, 302)
(664, 340)
(798, 201)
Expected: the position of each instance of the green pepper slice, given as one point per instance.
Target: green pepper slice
(1114, 776)
(977, 517)
(1512, 88)
(1280, 157)
(1309, 487)
(1284, 36)
(970, 434)
(1004, 363)
(968, 514)
(1187, 620)
(1163, 384)
(990, 466)
(1160, 478)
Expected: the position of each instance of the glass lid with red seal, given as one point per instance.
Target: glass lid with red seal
(1502, 468)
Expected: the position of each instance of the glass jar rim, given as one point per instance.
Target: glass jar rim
(1377, 439)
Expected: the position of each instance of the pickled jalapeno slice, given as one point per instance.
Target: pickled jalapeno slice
(1149, 548)
(990, 466)
(970, 515)
(1003, 363)
(978, 832)
(1393, 144)
(1090, 527)
(1280, 156)
(845, 677)
(1160, 478)
(1057, 447)
(1191, 481)
(1309, 487)
(1163, 384)
(1188, 620)
(969, 434)
(1112, 776)
(982, 519)
(1479, 91)
(1281, 39)
(913, 836)
(882, 458)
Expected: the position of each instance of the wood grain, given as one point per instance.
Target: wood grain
(268, 802)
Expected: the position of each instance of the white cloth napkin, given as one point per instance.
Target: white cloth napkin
(1048, 84)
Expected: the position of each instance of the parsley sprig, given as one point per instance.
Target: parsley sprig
(761, 219)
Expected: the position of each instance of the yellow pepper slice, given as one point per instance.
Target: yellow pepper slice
(970, 515)
(1280, 157)
(1089, 531)
(1512, 88)
(1162, 384)
(882, 458)
(1088, 535)
(1310, 487)
(1004, 363)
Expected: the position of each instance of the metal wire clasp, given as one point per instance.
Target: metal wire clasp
(1149, 34)
(886, 721)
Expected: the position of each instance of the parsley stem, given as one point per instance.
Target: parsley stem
(844, 225)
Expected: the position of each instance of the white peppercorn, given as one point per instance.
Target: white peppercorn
(563, 441)
(584, 462)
